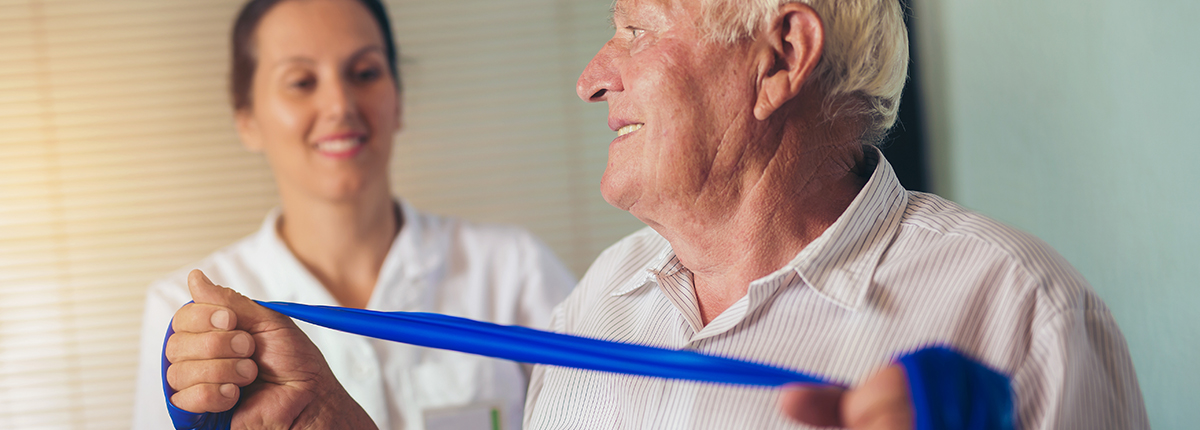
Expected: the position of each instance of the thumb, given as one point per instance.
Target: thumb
(247, 314)
(205, 291)
(815, 405)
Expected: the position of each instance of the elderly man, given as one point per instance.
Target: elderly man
(777, 233)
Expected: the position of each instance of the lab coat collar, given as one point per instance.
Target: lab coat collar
(415, 252)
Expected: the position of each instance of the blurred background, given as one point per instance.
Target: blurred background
(1070, 119)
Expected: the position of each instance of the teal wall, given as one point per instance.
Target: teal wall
(1076, 120)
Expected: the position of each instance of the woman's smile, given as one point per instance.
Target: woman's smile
(341, 145)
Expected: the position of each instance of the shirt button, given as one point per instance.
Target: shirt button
(361, 366)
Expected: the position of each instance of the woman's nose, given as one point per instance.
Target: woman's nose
(337, 99)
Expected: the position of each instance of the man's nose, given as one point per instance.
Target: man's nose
(600, 76)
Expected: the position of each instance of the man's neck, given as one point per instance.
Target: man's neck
(764, 227)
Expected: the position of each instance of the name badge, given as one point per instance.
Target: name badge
(478, 416)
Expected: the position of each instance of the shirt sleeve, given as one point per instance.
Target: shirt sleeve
(1078, 374)
(149, 406)
(547, 283)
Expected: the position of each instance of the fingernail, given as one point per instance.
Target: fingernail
(220, 319)
(245, 368)
(228, 390)
(240, 343)
(202, 275)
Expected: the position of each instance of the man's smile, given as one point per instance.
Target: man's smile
(628, 129)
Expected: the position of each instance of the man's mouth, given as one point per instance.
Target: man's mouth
(628, 129)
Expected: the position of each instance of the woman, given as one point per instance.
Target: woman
(315, 89)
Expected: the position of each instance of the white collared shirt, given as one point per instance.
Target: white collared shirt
(436, 264)
(897, 271)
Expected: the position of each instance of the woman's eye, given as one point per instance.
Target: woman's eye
(303, 84)
(367, 75)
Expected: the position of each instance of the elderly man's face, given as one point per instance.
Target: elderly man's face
(679, 106)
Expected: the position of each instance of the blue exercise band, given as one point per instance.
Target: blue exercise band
(950, 391)
(540, 347)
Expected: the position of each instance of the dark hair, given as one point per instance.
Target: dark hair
(244, 61)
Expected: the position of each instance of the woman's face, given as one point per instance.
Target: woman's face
(323, 106)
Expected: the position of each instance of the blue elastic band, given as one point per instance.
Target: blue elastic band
(527, 345)
(950, 391)
(531, 346)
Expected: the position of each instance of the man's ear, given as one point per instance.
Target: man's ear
(794, 42)
(247, 129)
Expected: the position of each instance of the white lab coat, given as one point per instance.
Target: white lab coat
(436, 264)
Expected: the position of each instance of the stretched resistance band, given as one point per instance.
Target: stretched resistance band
(978, 404)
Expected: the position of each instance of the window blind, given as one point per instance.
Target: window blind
(119, 163)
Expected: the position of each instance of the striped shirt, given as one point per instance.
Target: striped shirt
(898, 271)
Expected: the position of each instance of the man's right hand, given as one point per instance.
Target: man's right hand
(880, 403)
(224, 341)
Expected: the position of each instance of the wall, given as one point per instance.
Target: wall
(119, 164)
(1074, 120)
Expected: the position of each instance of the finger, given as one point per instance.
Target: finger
(203, 317)
(247, 315)
(205, 346)
(816, 406)
(882, 402)
(207, 398)
(240, 372)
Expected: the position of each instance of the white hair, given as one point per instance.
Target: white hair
(865, 60)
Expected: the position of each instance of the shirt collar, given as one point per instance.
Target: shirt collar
(841, 262)
(663, 264)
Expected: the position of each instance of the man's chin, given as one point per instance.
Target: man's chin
(629, 203)
(619, 205)
(612, 193)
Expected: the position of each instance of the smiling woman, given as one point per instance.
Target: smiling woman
(118, 163)
(323, 105)
(322, 102)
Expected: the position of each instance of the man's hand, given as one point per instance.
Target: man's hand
(224, 341)
(880, 403)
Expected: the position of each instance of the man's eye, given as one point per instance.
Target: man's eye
(634, 32)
